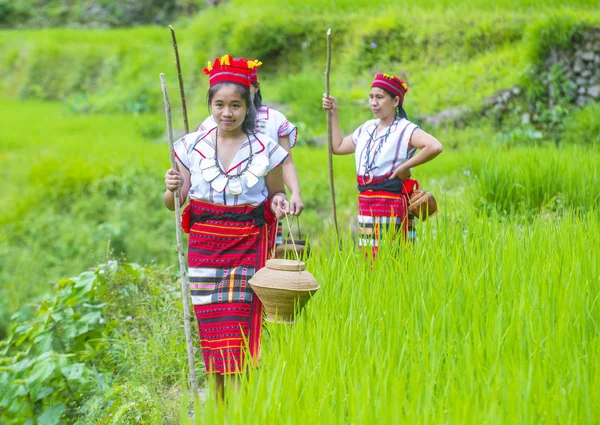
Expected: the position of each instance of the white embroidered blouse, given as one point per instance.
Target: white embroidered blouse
(196, 150)
(381, 155)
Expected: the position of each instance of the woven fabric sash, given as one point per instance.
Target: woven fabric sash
(257, 215)
(387, 185)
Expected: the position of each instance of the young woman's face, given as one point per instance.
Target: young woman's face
(228, 108)
(382, 104)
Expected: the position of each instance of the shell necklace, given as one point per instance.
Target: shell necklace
(219, 179)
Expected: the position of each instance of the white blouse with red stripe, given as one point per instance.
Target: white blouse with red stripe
(268, 122)
(380, 155)
(192, 148)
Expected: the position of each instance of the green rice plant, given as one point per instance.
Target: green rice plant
(481, 321)
(469, 325)
(530, 181)
(582, 127)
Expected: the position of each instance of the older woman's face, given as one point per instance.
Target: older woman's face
(382, 104)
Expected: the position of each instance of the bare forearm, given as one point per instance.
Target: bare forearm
(424, 155)
(169, 200)
(336, 134)
(274, 180)
(290, 176)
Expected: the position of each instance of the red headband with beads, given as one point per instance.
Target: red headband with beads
(392, 84)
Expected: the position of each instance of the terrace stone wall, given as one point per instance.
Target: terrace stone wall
(580, 64)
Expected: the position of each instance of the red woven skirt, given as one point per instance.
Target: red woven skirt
(380, 212)
(222, 256)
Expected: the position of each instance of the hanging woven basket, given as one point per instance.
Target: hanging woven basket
(422, 204)
(284, 287)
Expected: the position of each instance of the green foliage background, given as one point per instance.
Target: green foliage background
(91, 13)
(82, 156)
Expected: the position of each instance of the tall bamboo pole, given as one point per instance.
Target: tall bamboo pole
(181, 254)
(180, 75)
(330, 134)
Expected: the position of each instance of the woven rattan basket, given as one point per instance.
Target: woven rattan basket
(422, 204)
(284, 287)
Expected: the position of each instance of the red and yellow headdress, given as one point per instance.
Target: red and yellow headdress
(392, 84)
(229, 70)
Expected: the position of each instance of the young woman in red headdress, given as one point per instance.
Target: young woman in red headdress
(275, 125)
(235, 187)
(385, 151)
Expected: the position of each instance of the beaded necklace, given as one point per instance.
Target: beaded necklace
(370, 162)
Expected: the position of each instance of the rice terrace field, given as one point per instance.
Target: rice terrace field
(491, 317)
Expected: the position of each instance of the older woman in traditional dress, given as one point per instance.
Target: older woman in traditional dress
(385, 151)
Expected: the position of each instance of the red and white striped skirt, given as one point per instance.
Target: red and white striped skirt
(222, 256)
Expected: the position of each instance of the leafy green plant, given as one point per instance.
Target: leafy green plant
(75, 348)
(49, 361)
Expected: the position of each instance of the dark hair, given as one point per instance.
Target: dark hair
(249, 124)
(258, 99)
(400, 112)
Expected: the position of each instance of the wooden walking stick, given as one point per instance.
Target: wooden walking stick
(329, 134)
(182, 265)
(180, 75)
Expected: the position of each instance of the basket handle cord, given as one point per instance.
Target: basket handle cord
(287, 221)
(298, 227)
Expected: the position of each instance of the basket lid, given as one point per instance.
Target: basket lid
(287, 265)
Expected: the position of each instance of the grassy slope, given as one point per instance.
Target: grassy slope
(71, 185)
(453, 56)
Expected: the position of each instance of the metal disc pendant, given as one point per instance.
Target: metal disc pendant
(249, 179)
(207, 163)
(261, 159)
(258, 170)
(235, 186)
(219, 183)
(258, 165)
(210, 173)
